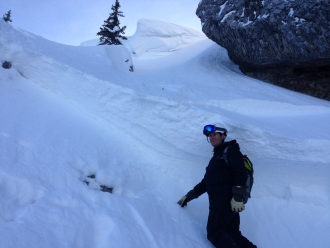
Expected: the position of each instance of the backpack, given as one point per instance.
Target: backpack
(250, 171)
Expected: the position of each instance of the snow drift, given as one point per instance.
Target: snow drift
(158, 36)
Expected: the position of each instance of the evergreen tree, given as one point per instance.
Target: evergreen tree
(7, 16)
(111, 31)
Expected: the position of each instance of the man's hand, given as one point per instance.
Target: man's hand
(183, 201)
(237, 206)
(237, 202)
(187, 198)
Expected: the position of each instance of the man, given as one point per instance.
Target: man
(226, 186)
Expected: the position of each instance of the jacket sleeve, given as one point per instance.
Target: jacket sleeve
(235, 160)
(200, 188)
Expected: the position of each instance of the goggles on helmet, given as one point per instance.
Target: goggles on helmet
(208, 129)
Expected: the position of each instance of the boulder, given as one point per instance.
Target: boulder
(283, 42)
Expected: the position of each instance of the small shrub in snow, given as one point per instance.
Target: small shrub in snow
(6, 65)
(91, 182)
(7, 16)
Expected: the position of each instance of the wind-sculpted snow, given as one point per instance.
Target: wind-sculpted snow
(110, 99)
(65, 116)
(120, 57)
(158, 36)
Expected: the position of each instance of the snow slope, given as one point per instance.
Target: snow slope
(71, 112)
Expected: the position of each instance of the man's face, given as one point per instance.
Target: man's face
(216, 139)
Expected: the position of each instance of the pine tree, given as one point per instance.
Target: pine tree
(7, 16)
(111, 32)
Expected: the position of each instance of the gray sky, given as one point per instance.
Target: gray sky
(74, 21)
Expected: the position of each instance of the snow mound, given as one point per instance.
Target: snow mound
(154, 37)
(93, 42)
(17, 194)
(158, 36)
(120, 57)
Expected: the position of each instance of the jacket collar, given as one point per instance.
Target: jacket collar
(221, 147)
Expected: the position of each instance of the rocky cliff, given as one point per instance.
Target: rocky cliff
(283, 42)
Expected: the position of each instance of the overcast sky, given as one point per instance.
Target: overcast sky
(74, 21)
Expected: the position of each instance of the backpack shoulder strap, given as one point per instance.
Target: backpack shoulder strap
(224, 154)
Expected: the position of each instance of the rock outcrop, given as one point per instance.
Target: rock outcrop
(283, 42)
(6, 65)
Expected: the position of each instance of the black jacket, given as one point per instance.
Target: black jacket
(220, 177)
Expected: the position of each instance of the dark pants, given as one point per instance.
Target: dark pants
(223, 225)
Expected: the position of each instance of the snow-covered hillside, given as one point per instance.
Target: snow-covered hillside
(70, 113)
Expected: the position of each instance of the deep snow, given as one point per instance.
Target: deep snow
(70, 112)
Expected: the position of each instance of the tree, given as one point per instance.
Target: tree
(111, 32)
(7, 16)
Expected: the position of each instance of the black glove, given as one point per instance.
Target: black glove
(237, 202)
(240, 194)
(191, 195)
